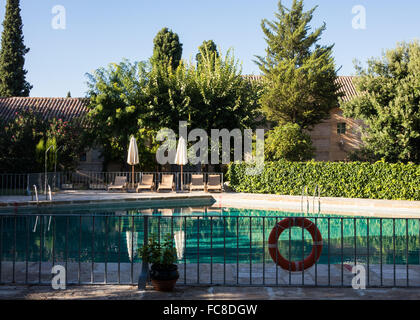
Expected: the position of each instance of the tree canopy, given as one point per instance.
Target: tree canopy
(167, 48)
(142, 98)
(389, 104)
(288, 142)
(299, 74)
(12, 55)
(24, 139)
(117, 105)
(206, 46)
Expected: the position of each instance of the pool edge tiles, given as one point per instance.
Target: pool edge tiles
(143, 202)
(332, 206)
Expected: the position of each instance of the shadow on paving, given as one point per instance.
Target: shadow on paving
(111, 292)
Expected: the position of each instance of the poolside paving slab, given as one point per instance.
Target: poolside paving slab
(121, 292)
(216, 274)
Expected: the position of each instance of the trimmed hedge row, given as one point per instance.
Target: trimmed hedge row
(337, 179)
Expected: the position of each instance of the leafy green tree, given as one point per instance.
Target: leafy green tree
(299, 74)
(12, 55)
(389, 105)
(69, 137)
(136, 98)
(168, 94)
(24, 139)
(207, 46)
(167, 48)
(222, 98)
(132, 99)
(117, 104)
(18, 139)
(288, 142)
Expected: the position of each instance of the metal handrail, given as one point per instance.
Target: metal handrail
(17, 184)
(36, 194)
(50, 193)
(319, 200)
(313, 199)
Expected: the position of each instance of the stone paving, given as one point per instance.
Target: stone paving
(115, 292)
(216, 274)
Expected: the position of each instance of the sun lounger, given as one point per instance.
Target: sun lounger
(166, 212)
(197, 182)
(120, 183)
(147, 183)
(214, 183)
(167, 183)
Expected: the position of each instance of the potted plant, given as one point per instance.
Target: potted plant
(162, 256)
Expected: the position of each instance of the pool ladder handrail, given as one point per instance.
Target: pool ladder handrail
(37, 217)
(36, 194)
(50, 193)
(317, 189)
(305, 193)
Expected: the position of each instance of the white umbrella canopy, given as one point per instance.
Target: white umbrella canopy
(181, 157)
(133, 156)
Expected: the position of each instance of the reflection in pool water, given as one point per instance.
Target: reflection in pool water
(203, 235)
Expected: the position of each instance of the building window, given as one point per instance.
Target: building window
(341, 128)
(83, 157)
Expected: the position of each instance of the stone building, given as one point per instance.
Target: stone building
(336, 137)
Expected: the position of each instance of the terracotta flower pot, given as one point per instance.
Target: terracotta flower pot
(164, 278)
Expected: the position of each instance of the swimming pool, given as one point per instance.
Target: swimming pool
(113, 233)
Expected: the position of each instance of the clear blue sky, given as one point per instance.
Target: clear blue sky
(99, 32)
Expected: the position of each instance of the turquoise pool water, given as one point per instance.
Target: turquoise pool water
(205, 235)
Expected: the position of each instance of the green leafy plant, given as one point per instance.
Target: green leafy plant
(389, 105)
(379, 180)
(25, 138)
(157, 253)
(289, 142)
(299, 74)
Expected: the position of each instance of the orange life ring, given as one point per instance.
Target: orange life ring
(291, 265)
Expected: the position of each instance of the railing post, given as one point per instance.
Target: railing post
(144, 275)
(28, 188)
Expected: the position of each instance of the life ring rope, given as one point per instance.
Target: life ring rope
(295, 266)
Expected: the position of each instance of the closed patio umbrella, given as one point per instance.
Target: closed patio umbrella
(181, 157)
(133, 156)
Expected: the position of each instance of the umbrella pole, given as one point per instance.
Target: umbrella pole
(182, 182)
(132, 177)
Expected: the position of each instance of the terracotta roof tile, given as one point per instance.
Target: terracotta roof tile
(347, 85)
(64, 108)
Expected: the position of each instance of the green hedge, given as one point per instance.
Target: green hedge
(337, 179)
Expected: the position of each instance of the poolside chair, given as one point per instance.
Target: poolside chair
(147, 183)
(214, 183)
(120, 183)
(197, 182)
(167, 183)
(166, 212)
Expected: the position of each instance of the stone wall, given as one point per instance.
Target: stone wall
(332, 146)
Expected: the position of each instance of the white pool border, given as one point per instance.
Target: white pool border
(338, 206)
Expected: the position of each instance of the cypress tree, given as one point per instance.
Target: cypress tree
(12, 55)
(167, 48)
(207, 47)
(300, 75)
